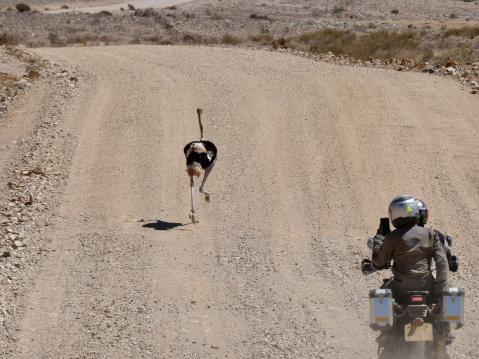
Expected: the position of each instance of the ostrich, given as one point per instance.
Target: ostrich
(200, 156)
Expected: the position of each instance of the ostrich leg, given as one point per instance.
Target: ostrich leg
(192, 213)
(203, 183)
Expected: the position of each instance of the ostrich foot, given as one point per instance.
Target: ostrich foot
(194, 218)
(206, 193)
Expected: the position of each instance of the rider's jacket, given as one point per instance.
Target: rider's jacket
(412, 248)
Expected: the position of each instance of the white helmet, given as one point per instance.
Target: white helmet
(403, 211)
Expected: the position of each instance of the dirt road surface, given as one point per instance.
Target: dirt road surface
(310, 155)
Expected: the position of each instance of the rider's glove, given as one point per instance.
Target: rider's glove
(453, 264)
(376, 242)
(367, 266)
(449, 241)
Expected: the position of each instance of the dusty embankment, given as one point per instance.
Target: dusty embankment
(310, 155)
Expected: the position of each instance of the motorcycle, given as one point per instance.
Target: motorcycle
(415, 325)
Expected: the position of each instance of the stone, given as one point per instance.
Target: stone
(451, 70)
(18, 244)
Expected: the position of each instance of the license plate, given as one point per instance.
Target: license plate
(418, 334)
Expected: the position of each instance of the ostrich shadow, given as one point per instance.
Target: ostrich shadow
(160, 225)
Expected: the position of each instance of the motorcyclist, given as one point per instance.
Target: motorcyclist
(411, 248)
(445, 240)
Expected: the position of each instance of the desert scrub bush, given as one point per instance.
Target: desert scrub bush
(281, 43)
(22, 7)
(383, 44)
(427, 55)
(158, 40)
(459, 54)
(337, 10)
(260, 17)
(148, 12)
(55, 40)
(394, 11)
(10, 38)
(379, 44)
(33, 74)
(230, 39)
(64, 7)
(263, 38)
(156, 15)
(104, 13)
(215, 16)
(464, 31)
(327, 40)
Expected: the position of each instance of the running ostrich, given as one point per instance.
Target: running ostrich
(200, 156)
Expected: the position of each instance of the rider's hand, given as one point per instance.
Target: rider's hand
(454, 264)
(367, 267)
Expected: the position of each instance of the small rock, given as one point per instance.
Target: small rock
(30, 200)
(18, 244)
(451, 70)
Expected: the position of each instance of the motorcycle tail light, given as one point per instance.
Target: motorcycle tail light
(416, 299)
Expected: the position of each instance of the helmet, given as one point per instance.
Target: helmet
(403, 211)
(423, 212)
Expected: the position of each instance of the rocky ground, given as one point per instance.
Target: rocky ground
(33, 170)
(17, 71)
(206, 21)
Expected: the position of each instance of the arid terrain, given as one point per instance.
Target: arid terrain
(434, 31)
(97, 255)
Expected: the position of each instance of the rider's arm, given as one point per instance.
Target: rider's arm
(383, 251)
(440, 259)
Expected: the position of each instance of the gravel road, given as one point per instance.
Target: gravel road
(309, 156)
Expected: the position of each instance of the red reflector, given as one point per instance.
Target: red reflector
(416, 298)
